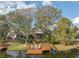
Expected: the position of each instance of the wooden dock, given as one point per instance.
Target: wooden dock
(3, 47)
(45, 47)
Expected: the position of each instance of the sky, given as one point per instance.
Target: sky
(70, 9)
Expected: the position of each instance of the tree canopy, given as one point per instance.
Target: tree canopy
(28, 21)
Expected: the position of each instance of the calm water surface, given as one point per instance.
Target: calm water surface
(22, 54)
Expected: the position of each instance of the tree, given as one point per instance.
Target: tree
(21, 21)
(66, 31)
(46, 17)
(4, 28)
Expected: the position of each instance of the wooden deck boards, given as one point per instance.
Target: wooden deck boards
(34, 51)
(45, 47)
(2, 46)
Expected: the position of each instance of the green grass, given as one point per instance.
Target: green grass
(16, 46)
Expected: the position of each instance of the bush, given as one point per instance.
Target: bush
(45, 38)
(49, 38)
(53, 39)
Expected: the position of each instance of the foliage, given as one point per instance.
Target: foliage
(28, 21)
(21, 22)
(4, 27)
(49, 38)
(53, 38)
(45, 38)
(46, 16)
(20, 38)
(66, 30)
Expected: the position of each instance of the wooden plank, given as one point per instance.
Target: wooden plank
(44, 47)
(34, 52)
(2, 46)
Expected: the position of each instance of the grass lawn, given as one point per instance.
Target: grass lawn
(16, 46)
(61, 47)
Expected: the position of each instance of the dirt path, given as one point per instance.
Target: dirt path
(61, 47)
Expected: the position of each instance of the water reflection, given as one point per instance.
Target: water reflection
(22, 54)
(54, 54)
(19, 54)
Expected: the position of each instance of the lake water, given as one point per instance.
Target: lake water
(22, 54)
